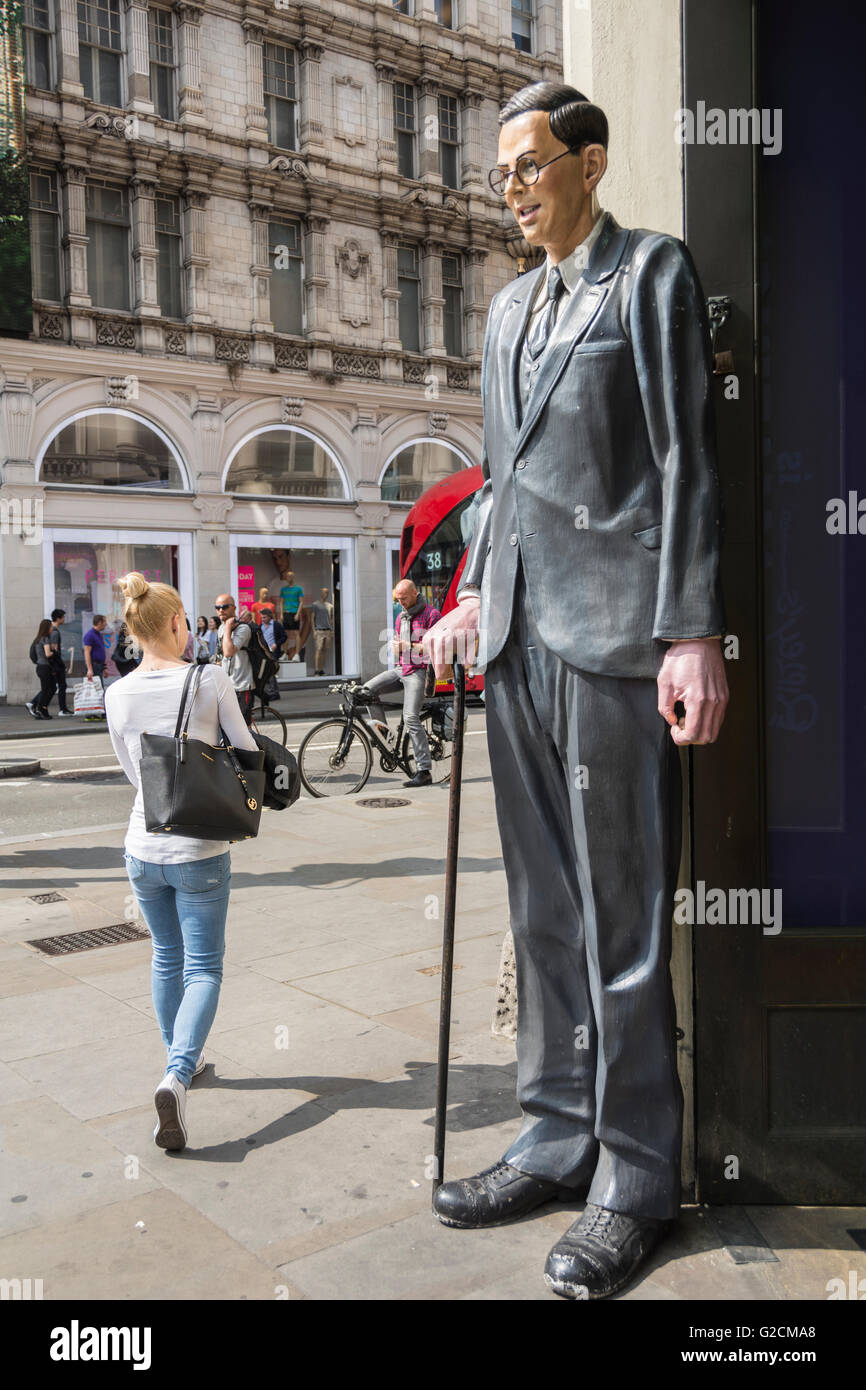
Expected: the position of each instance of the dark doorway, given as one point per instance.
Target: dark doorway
(779, 804)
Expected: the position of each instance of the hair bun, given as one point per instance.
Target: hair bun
(133, 585)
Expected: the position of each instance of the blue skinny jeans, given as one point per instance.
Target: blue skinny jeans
(185, 907)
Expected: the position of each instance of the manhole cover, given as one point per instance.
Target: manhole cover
(47, 898)
(87, 940)
(380, 802)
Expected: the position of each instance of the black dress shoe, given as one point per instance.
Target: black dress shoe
(601, 1252)
(497, 1195)
(421, 779)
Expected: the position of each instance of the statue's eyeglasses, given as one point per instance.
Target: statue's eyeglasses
(527, 170)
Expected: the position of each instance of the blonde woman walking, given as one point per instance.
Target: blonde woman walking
(181, 884)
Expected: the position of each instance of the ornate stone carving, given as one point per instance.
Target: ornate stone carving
(120, 389)
(292, 167)
(451, 203)
(184, 397)
(353, 283)
(457, 378)
(290, 355)
(232, 349)
(115, 333)
(214, 510)
(40, 381)
(415, 373)
(123, 127)
(356, 364)
(292, 408)
(437, 422)
(175, 342)
(51, 326)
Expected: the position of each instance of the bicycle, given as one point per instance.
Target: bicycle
(336, 756)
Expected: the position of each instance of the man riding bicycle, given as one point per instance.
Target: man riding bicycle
(415, 617)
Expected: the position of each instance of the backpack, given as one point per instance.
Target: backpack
(33, 656)
(264, 666)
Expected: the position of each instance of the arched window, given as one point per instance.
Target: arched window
(110, 448)
(284, 463)
(416, 468)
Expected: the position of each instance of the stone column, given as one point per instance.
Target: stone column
(474, 301)
(257, 121)
(73, 178)
(371, 551)
(468, 17)
(432, 299)
(311, 128)
(428, 130)
(387, 145)
(137, 57)
(473, 173)
(261, 268)
(68, 78)
(316, 279)
(144, 247)
(190, 96)
(195, 257)
(21, 509)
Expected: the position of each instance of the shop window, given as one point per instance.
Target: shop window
(416, 468)
(109, 449)
(293, 580)
(85, 583)
(284, 463)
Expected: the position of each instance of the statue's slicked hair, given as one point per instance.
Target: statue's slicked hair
(573, 119)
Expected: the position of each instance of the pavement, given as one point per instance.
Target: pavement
(312, 701)
(308, 1170)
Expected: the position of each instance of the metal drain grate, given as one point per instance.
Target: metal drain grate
(47, 898)
(377, 802)
(87, 940)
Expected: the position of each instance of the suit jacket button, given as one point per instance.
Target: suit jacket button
(512, 539)
(521, 463)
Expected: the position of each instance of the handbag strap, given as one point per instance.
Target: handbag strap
(177, 727)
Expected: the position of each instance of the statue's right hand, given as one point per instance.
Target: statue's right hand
(453, 638)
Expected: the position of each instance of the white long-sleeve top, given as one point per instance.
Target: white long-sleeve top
(148, 702)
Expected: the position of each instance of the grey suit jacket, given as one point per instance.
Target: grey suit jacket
(608, 488)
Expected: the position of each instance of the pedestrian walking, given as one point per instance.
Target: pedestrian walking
(233, 640)
(41, 653)
(202, 649)
(126, 654)
(95, 656)
(181, 884)
(212, 635)
(58, 666)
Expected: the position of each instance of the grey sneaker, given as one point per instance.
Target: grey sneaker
(170, 1101)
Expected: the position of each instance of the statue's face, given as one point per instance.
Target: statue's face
(548, 209)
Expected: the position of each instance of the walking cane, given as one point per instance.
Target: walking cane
(448, 930)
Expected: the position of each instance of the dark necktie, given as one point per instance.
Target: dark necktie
(538, 335)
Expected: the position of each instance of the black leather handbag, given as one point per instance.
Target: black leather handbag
(205, 791)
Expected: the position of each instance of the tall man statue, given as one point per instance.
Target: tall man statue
(592, 581)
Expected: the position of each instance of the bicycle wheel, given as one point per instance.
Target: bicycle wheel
(440, 756)
(269, 710)
(323, 771)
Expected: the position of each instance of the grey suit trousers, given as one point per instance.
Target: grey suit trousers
(588, 799)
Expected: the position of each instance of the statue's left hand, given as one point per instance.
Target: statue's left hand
(694, 672)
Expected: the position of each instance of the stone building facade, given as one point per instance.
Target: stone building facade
(264, 248)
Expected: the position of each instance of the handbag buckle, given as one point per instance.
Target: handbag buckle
(252, 803)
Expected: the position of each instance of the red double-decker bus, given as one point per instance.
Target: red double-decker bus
(434, 541)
